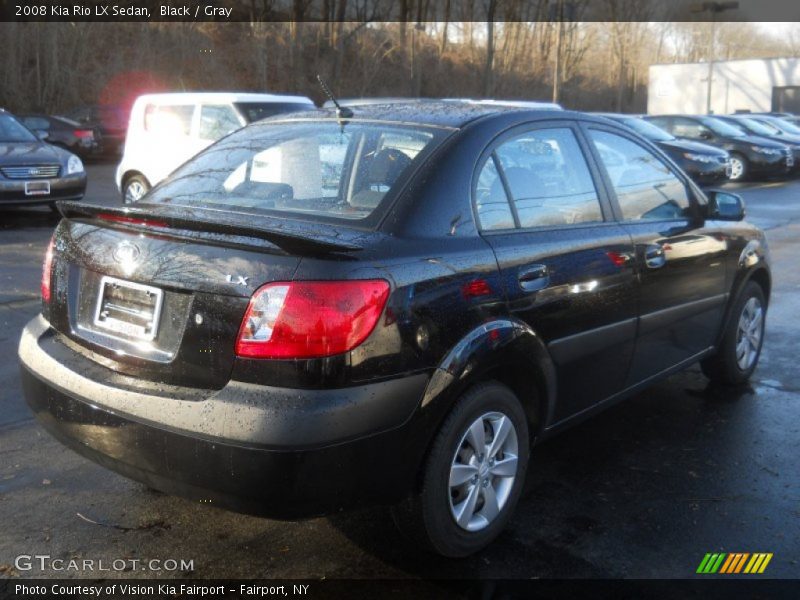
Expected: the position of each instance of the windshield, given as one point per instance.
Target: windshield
(255, 111)
(648, 130)
(760, 128)
(723, 128)
(314, 168)
(784, 126)
(12, 130)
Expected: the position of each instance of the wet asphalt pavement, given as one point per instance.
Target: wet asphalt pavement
(643, 490)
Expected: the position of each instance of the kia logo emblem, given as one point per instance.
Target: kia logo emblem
(33, 171)
(126, 253)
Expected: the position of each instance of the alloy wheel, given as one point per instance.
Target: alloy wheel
(737, 168)
(749, 333)
(483, 471)
(134, 191)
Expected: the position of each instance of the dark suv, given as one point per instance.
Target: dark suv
(324, 309)
(750, 155)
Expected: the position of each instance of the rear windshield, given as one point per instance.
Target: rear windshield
(255, 111)
(314, 169)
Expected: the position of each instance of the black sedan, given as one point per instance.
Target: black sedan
(34, 172)
(111, 121)
(66, 133)
(753, 126)
(750, 155)
(387, 304)
(706, 164)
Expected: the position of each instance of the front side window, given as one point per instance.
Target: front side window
(305, 168)
(217, 121)
(689, 128)
(546, 178)
(645, 187)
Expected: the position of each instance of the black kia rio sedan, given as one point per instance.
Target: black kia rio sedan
(328, 309)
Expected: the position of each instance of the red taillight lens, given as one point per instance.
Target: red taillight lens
(47, 268)
(310, 319)
(83, 133)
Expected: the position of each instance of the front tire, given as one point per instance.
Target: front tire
(740, 168)
(134, 188)
(741, 344)
(473, 476)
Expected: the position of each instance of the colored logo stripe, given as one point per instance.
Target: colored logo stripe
(734, 562)
(758, 563)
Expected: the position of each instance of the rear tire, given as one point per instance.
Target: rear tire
(467, 497)
(740, 349)
(134, 188)
(740, 167)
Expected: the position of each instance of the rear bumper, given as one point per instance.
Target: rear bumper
(282, 453)
(12, 191)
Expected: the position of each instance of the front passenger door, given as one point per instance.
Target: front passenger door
(680, 262)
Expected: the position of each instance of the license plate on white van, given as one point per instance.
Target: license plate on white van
(37, 188)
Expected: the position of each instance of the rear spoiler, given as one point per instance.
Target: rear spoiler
(289, 236)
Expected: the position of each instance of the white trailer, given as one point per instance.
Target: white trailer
(758, 85)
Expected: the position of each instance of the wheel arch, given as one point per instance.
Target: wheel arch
(127, 175)
(505, 350)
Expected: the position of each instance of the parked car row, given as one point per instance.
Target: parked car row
(753, 155)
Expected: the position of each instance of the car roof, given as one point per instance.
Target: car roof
(436, 113)
(407, 100)
(221, 97)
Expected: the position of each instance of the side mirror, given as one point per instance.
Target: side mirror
(42, 135)
(724, 206)
(706, 135)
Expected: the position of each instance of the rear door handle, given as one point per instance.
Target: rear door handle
(654, 256)
(533, 278)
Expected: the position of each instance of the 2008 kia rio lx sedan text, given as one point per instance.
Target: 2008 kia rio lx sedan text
(329, 309)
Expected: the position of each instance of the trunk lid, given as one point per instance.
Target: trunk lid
(160, 295)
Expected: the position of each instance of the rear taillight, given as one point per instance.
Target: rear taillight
(47, 268)
(83, 133)
(310, 319)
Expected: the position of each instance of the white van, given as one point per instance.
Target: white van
(165, 130)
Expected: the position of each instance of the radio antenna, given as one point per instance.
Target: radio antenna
(342, 112)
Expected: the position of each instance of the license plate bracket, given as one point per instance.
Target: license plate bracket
(127, 308)
(37, 188)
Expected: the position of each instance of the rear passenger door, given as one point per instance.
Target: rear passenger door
(680, 262)
(566, 265)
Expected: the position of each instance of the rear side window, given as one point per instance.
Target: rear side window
(169, 119)
(645, 186)
(544, 175)
(217, 121)
(314, 169)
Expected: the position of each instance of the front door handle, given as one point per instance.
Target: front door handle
(654, 256)
(533, 278)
